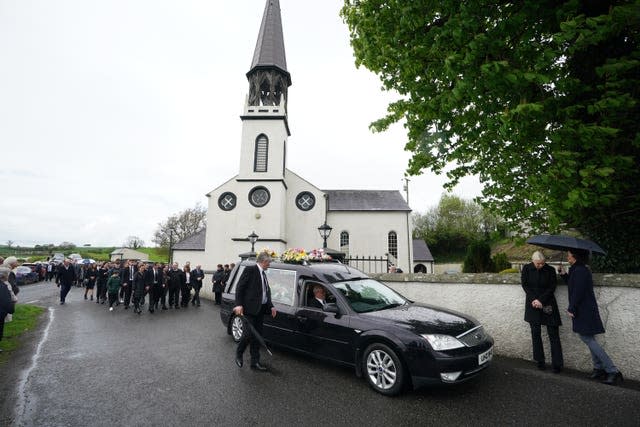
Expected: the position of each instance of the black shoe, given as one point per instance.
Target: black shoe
(61, 302)
(151, 310)
(177, 307)
(597, 374)
(164, 307)
(198, 304)
(258, 367)
(126, 307)
(239, 362)
(557, 369)
(613, 378)
(542, 366)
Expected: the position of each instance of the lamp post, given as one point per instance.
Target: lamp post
(253, 238)
(170, 246)
(325, 231)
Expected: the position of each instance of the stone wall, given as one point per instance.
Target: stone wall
(497, 301)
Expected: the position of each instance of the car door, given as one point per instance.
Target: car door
(281, 329)
(322, 333)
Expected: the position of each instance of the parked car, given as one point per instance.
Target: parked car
(25, 275)
(391, 341)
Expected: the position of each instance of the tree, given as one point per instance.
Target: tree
(66, 245)
(133, 242)
(181, 225)
(453, 224)
(9, 243)
(539, 99)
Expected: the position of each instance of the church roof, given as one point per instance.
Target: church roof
(195, 242)
(270, 45)
(421, 251)
(366, 200)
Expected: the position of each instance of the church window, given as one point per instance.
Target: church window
(227, 201)
(392, 241)
(305, 201)
(344, 242)
(259, 196)
(261, 154)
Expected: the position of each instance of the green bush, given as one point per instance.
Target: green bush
(478, 258)
(500, 262)
(509, 270)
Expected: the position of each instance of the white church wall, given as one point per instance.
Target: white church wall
(302, 226)
(368, 233)
(276, 133)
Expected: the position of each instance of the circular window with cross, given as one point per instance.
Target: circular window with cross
(305, 201)
(227, 201)
(259, 196)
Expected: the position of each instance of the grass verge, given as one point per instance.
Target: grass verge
(24, 319)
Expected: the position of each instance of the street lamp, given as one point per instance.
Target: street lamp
(325, 231)
(253, 238)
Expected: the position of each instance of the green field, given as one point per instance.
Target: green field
(24, 319)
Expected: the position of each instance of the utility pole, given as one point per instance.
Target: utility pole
(406, 187)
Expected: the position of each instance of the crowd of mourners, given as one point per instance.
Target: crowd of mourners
(129, 283)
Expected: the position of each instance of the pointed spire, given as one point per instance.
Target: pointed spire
(270, 45)
(268, 77)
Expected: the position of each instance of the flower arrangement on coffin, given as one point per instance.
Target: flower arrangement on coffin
(319, 255)
(294, 256)
(269, 251)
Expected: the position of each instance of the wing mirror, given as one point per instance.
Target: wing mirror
(331, 308)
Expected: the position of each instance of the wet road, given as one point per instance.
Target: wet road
(87, 366)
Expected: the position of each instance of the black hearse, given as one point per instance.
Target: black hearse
(391, 341)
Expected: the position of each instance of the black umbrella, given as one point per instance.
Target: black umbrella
(563, 243)
(256, 335)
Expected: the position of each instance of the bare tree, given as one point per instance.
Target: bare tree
(9, 243)
(133, 242)
(181, 225)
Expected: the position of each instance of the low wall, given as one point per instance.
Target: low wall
(497, 301)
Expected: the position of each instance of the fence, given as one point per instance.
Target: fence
(369, 264)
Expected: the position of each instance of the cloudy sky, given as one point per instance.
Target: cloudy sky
(116, 114)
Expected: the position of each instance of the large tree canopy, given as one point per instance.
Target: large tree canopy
(537, 98)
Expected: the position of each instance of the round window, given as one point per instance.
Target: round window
(259, 196)
(227, 201)
(305, 201)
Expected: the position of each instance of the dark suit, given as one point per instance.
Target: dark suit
(156, 292)
(127, 280)
(7, 306)
(313, 302)
(197, 276)
(175, 281)
(540, 285)
(66, 277)
(249, 295)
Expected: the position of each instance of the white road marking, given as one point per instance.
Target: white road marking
(32, 302)
(20, 406)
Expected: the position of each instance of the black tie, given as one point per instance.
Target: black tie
(265, 284)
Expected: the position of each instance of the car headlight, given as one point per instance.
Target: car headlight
(442, 342)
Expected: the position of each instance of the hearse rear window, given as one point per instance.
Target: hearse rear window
(282, 284)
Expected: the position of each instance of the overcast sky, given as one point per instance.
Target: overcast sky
(116, 114)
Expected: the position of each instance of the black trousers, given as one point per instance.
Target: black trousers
(128, 289)
(218, 296)
(186, 295)
(196, 294)
(1, 328)
(554, 339)
(247, 338)
(113, 297)
(64, 290)
(174, 295)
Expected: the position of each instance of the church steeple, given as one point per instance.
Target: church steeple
(268, 76)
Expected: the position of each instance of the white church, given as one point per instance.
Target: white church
(267, 200)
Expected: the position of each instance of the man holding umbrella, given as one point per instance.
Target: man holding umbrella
(253, 301)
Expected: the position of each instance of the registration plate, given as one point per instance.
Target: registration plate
(485, 357)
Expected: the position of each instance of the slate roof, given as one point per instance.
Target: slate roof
(195, 242)
(366, 200)
(270, 45)
(421, 251)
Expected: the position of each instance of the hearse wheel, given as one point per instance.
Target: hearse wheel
(383, 369)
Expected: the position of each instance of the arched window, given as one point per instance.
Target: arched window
(261, 154)
(392, 243)
(344, 242)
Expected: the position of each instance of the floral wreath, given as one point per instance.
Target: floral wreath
(300, 256)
